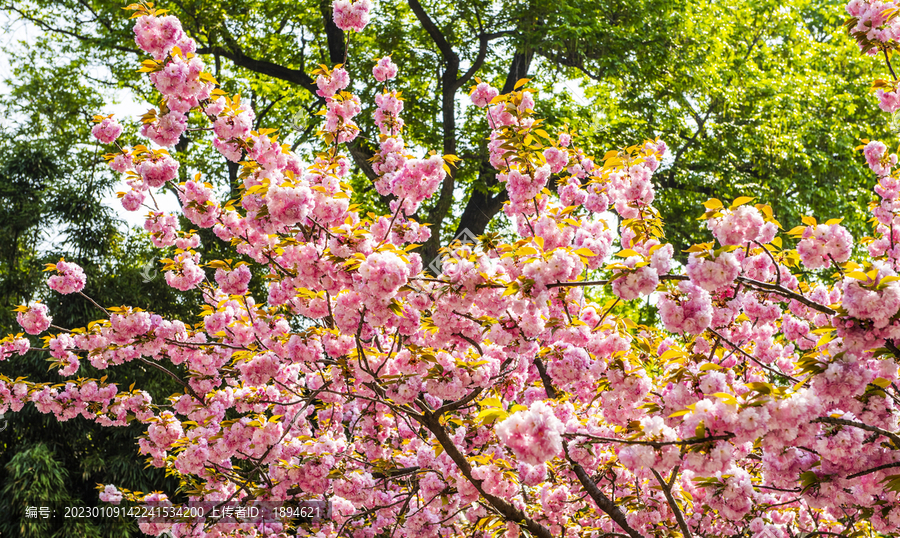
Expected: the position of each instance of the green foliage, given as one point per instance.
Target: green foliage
(52, 183)
(754, 106)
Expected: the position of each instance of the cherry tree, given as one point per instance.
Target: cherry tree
(499, 397)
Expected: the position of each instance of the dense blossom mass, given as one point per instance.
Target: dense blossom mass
(509, 394)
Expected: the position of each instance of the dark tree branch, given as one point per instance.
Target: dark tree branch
(518, 69)
(844, 422)
(260, 116)
(393, 473)
(874, 470)
(479, 211)
(175, 377)
(545, 379)
(263, 67)
(453, 406)
(603, 502)
(449, 86)
(431, 422)
(434, 32)
(337, 50)
(483, 40)
(667, 490)
(784, 292)
(655, 444)
(361, 158)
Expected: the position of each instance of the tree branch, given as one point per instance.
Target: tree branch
(453, 406)
(434, 32)
(483, 40)
(667, 490)
(655, 444)
(509, 511)
(175, 377)
(874, 470)
(545, 379)
(844, 422)
(337, 50)
(263, 67)
(603, 502)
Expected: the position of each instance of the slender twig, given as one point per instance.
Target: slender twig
(784, 292)
(874, 470)
(844, 422)
(608, 310)
(469, 340)
(391, 225)
(751, 357)
(654, 444)
(93, 302)
(667, 490)
(175, 377)
(887, 60)
(578, 284)
(775, 263)
(453, 406)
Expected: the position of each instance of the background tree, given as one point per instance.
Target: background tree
(729, 85)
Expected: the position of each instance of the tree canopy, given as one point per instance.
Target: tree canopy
(749, 95)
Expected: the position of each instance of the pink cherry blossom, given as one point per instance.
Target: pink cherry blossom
(34, 319)
(483, 94)
(384, 69)
(70, 278)
(107, 131)
(351, 15)
(823, 243)
(532, 435)
(159, 169)
(690, 311)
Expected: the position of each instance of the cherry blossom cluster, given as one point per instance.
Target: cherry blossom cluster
(876, 28)
(384, 69)
(69, 277)
(106, 130)
(534, 435)
(874, 22)
(351, 14)
(35, 319)
(410, 180)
